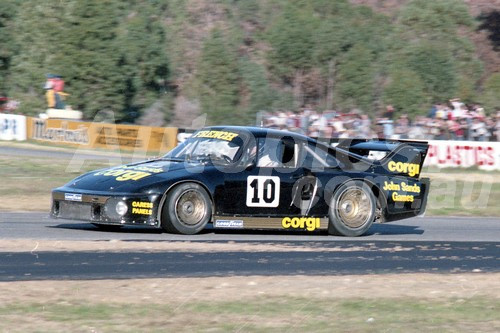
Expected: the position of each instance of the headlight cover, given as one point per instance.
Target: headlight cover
(121, 208)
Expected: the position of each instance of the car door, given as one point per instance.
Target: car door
(265, 187)
(319, 168)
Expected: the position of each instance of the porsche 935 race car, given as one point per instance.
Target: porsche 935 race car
(255, 178)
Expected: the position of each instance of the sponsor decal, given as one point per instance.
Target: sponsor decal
(129, 173)
(142, 207)
(308, 223)
(12, 127)
(99, 135)
(402, 197)
(410, 188)
(221, 135)
(236, 224)
(118, 136)
(401, 187)
(405, 189)
(411, 169)
(72, 197)
(63, 133)
(133, 137)
(485, 155)
(391, 187)
(142, 204)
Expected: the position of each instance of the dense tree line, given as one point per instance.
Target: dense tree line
(238, 57)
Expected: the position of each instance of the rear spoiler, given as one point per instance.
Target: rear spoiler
(402, 157)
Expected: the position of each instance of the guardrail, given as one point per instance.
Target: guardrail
(102, 135)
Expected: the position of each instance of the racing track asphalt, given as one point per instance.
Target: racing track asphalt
(438, 245)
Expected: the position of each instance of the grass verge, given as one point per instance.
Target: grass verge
(27, 181)
(464, 198)
(283, 314)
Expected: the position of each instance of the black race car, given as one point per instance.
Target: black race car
(255, 178)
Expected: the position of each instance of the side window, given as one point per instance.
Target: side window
(276, 153)
(250, 153)
(316, 157)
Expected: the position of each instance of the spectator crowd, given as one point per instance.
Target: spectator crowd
(448, 121)
(445, 121)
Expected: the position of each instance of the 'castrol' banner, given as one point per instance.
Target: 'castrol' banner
(464, 154)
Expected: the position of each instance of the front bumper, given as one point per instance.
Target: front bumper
(101, 209)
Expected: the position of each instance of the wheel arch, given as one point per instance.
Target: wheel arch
(377, 192)
(171, 187)
(374, 187)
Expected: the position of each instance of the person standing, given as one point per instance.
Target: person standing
(478, 130)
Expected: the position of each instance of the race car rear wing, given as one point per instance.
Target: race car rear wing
(402, 157)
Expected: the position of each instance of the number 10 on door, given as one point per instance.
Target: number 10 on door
(263, 191)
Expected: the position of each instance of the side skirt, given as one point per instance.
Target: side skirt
(285, 223)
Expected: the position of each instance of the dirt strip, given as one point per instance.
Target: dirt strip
(178, 290)
(34, 246)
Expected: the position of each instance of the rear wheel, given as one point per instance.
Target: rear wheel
(352, 209)
(187, 209)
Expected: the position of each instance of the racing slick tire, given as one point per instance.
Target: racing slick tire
(187, 209)
(352, 209)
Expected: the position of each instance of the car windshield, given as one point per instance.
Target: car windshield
(216, 146)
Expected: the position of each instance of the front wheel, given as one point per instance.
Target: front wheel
(352, 209)
(187, 209)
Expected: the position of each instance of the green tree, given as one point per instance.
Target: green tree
(219, 80)
(491, 93)
(356, 79)
(91, 58)
(142, 44)
(121, 56)
(8, 11)
(291, 38)
(428, 36)
(247, 10)
(38, 28)
(436, 68)
(343, 27)
(111, 54)
(260, 95)
(405, 92)
(433, 20)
